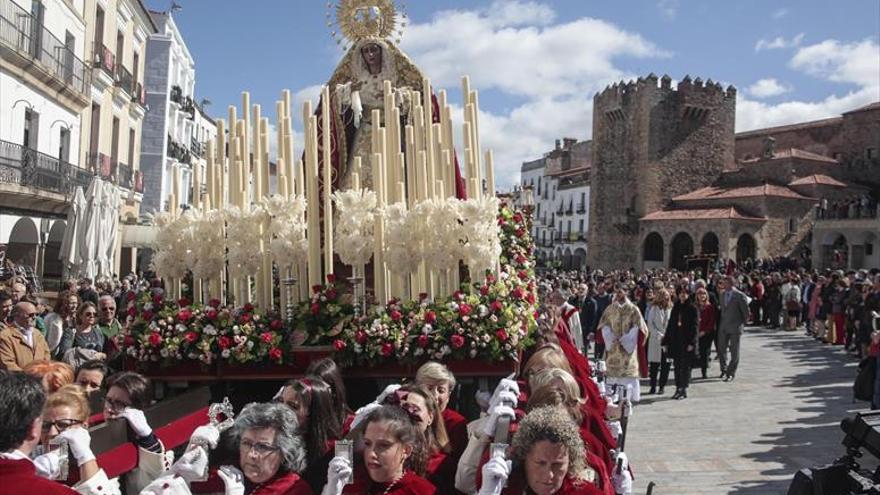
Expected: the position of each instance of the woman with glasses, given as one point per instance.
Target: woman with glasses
(65, 421)
(63, 317)
(311, 399)
(85, 341)
(392, 461)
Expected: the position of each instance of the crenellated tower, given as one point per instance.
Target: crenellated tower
(652, 142)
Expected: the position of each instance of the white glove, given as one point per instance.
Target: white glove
(338, 473)
(205, 435)
(193, 465)
(622, 481)
(79, 441)
(165, 484)
(233, 480)
(362, 413)
(278, 394)
(614, 428)
(505, 385)
(495, 474)
(137, 421)
(390, 389)
(506, 397)
(630, 340)
(483, 398)
(609, 336)
(497, 413)
(48, 465)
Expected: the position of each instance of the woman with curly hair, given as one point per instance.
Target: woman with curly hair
(548, 459)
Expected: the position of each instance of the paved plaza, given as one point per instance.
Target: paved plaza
(782, 413)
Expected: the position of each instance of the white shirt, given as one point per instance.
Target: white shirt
(28, 334)
(15, 455)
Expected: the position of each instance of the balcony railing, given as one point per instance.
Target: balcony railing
(197, 148)
(100, 164)
(20, 32)
(124, 79)
(847, 210)
(582, 208)
(178, 152)
(137, 94)
(176, 94)
(124, 176)
(104, 59)
(30, 168)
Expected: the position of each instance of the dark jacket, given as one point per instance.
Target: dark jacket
(681, 331)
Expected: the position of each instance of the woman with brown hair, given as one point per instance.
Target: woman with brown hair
(706, 329)
(85, 341)
(61, 318)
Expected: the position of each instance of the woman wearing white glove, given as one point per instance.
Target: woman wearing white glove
(495, 474)
(66, 417)
(128, 394)
(338, 473)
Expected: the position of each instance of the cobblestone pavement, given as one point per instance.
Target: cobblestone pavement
(750, 436)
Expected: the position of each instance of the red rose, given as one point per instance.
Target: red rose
(530, 298)
(423, 341)
(516, 293)
(155, 339)
(128, 340)
(244, 318)
(501, 221)
(157, 300)
(132, 311)
(184, 315)
(457, 294)
(496, 306)
(520, 232)
(224, 342)
(214, 303)
(423, 296)
(520, 259)
(316, 288)
(361, 337)
(130, 296)
(276, 325)
(522, 275)
(517, 217)
(248, 308)
(501, 335)
(339, 345)
(275, 354)
(430, 317)
(266, 337)
(395, 315)
(211, 314)
(316, 308)
(387, 349)
(330, 294)
(182, 302)
(331, 278)
(457, 341)
(484, 290)
(147, 315)
(191, 337)
(464, 309)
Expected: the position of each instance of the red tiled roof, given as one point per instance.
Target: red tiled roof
(713, 192)
(728, 213)
(793, 153)
(787, 128)
(817, 179)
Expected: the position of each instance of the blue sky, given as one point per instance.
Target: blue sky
(538, 63)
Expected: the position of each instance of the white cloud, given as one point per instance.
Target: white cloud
(855, 64)
(765, 88)
(779, 42)
(780, 13)
(668, 8)
(550, 69)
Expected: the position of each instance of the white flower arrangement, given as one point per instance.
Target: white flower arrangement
(355, 218)
(439, 232)
(205, 236)
(242, 236)
(403, 244)
(287, 227)
(479, 228)
(170, 248)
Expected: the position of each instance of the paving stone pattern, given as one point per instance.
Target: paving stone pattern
(750, 436)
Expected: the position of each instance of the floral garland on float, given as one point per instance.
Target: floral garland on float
(489, 320)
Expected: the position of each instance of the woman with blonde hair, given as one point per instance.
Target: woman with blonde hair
(53, 373)
(440, 382)
(657, 317)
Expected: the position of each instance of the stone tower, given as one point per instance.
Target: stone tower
(651, 143)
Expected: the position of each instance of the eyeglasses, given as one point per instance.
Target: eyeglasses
(258, 448)
(32, 315)
(61, 424)
(115, 405)
(108, 309)
(90, 314)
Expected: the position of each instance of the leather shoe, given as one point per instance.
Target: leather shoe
(705, 375)
(652, 391)
(677, 394)
(730, 377)
(661, 391)
(723, 376)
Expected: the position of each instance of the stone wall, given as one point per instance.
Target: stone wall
(650, 143)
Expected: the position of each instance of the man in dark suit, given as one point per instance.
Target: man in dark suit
(734, 315)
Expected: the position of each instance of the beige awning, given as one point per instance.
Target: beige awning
(138, 236)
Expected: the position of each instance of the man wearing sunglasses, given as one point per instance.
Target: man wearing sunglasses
(21, 342)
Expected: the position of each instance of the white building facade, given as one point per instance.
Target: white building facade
(44, 87)
(561, 192)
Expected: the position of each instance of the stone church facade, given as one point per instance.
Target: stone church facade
(673, 186)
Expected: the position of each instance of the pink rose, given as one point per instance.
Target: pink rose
(501, 334)
(184, 315)
(430, 317)
(395, 315)
(423, 341)
(275, 354)
(266, 337)
(191, 337)
(496, 306)
(155, 339)
(457, 341)
(387, 349)
(211, 314)
(360, 337)
(464, 309)
(339, 345)
(224, 342)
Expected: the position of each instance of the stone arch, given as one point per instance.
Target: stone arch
(709, 244)
(652, 248)
(682, 245)
(23, 240)
(52, 265)
(835, 254)
(567, 259)
(746, 248)
(580, 258)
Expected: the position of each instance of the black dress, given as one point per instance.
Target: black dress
(681, 333)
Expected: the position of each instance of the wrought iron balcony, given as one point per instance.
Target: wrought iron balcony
(124, 79)
(176, 94)
(20, 33)
(124, 175)
(30, 168)
(582, 208)
(104, 59)
(137, 94)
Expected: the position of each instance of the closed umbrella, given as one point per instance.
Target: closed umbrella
(88, 241)
(109, 228)
(69, 254)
